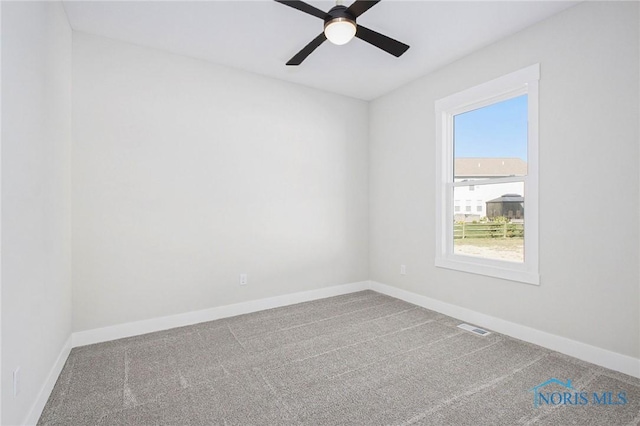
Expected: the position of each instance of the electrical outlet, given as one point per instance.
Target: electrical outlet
(243, 279)
(403, 269)
(16, 381)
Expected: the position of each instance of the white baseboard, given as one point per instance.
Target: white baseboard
(136, 328)
(45, 391)
(602, 357)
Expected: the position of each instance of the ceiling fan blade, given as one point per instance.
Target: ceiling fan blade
(306, 51)
(383, 42)
(304, 7)
(361, 6)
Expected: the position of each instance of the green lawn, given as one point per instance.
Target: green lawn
(498, 243)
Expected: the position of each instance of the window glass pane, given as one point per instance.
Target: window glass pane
(491, 141)
(496, 229)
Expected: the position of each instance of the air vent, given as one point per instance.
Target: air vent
(474, 330)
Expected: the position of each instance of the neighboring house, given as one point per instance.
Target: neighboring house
(470, 202)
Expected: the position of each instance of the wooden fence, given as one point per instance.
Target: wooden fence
(488, 230)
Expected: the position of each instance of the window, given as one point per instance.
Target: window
(487, 142)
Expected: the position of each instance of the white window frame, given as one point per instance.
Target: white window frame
(521, 82)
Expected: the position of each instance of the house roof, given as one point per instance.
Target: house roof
(489, 167)
(508, 198)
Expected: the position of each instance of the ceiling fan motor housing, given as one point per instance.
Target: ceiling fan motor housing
(337, 14)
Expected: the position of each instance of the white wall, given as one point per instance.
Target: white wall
(36, 243)
(589, 134)
(188, 173)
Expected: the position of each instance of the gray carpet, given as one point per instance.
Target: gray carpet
(362, 359)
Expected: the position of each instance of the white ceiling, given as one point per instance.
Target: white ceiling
(261, 36)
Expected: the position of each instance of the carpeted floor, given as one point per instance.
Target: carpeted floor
(362, 359)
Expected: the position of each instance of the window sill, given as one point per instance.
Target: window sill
(467, 264)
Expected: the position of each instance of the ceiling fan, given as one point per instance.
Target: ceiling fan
(340, 27)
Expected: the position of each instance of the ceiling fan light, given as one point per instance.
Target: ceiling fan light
(340, 30)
